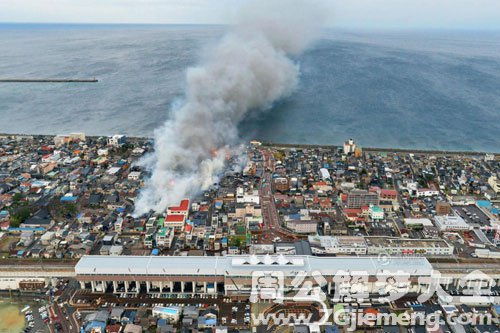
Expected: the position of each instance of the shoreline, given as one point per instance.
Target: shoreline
(307, 146)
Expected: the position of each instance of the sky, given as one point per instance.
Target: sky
(362, 14)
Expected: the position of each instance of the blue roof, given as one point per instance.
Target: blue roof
(11, 229)
(172, 311)
(483, 203)
(198, 222)
(129, 316)
(155, 252)
(95, 324)
(68, 198)
(210, 321)
(331, 329)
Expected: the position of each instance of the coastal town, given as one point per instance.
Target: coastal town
(67, 203)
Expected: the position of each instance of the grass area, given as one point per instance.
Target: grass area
(237, 240)
(6, 241)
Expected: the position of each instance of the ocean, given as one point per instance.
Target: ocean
(407, 89)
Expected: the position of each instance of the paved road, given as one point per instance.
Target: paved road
(272, 226)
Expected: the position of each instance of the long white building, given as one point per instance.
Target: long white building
(229, 275)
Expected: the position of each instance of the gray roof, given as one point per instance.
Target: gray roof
(244, 265)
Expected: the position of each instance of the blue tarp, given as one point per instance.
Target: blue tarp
(95, 324)
(128, 317)
(68, 199)
(210, 321)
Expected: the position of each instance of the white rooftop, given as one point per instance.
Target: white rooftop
(450, 221)
(422, 221)
(244, 265)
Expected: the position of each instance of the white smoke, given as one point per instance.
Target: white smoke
(247, 70)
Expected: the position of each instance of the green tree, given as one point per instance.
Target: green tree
(19, 216)
(17, 197)
(70, 209)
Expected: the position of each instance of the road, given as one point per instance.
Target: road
(272, 225)
(63, 310)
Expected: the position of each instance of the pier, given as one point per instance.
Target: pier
(94, 80)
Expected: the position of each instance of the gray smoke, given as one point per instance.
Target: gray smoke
(247, 70)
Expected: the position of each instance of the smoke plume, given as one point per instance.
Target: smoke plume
(246, 71)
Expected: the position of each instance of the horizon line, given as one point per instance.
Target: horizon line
(352, 28)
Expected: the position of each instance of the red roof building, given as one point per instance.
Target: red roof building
(175, 221)
(353, 214)
(388, 194)
(175, 218)
(182, 209)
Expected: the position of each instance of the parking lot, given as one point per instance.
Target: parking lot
(236, 314)
(35, 321)
(472, 215)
